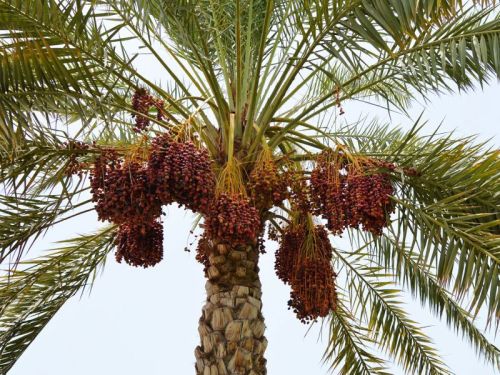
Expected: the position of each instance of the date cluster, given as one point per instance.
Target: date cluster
(142, 103)
(303, 260)
(267, 186)
(131, 193)
(233, 220)
(349, 196)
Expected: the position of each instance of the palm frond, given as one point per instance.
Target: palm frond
(463, 50)
(35, 158)
(347, 348)
(448, 213)
(23, 219)
(388, 323)
(69, 64)
(423, 284)
(60, 50)
(460, 245)
(30, 297)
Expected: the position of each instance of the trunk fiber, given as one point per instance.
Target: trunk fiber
(231, 326)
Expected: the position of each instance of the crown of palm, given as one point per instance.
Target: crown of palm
(241, 76)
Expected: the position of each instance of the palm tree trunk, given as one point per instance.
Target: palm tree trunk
(231, 326)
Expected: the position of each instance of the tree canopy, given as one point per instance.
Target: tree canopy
(244, 78)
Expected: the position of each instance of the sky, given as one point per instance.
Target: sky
(144, 321)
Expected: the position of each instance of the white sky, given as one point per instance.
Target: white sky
(139, 321)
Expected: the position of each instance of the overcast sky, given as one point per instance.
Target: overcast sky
(139, 321)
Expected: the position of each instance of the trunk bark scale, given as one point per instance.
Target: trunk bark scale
(231, 326)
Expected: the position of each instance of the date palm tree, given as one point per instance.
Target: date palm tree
(256, 84)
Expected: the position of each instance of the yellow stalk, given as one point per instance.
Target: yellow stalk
(230, 180)
(139, 151)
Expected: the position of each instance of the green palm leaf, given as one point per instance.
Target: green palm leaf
(347, 349)
(388, 323)
(31, 296)
(411, 272)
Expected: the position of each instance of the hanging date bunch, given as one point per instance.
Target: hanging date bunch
(313, 292)
(143, 102)
(140, 244)
(121, 191)
(300, 190)
(328, 187)
(74, 166)
(203, 252)
(291, 241)
(303, 261)
(182, 172)
(267, 186)
(231, 218)
(369, 195)
(123, 195)
(350, 192)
